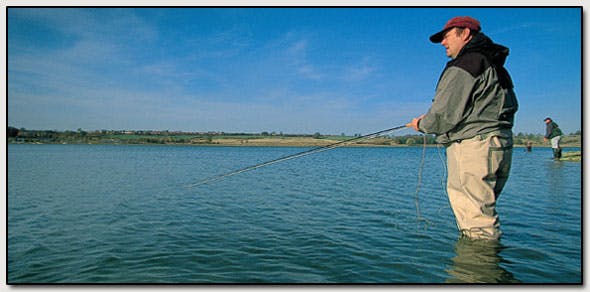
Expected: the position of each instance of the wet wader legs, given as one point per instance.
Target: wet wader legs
(556, 153)
(478, 169)
(555, 147)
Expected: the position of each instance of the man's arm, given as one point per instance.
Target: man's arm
(451, 102)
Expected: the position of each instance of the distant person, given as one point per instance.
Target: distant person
(529, 146)
(472, 115)
(553, 133)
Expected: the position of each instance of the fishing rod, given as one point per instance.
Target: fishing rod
(293, 156)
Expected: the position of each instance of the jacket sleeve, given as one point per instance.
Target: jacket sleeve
(548, 130)
(451, 102)
(552, 130)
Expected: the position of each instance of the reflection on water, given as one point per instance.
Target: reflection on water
(123, 214)
(555, 173)
(478, 261)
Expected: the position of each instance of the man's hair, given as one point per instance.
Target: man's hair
(459, 30)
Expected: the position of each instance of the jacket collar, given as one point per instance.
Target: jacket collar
(480, 43)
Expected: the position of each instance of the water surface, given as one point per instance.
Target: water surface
(124, 214)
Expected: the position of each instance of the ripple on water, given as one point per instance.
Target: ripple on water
(124, 214)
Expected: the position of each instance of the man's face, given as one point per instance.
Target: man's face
(454, 42)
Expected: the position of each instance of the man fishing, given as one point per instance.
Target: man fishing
(472, 115)
(553, 133)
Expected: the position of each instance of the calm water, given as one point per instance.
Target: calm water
(124, 214)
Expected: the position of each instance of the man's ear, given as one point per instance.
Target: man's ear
(466, 34)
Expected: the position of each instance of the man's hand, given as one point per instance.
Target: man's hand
(414, 123)
(544, 139)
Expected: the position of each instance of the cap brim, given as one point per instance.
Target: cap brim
(438, 37)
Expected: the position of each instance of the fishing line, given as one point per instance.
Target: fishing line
(418, 185)
(293, 156)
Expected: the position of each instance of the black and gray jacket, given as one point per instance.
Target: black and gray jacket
(474, 94)
(552, 130)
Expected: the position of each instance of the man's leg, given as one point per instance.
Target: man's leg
(555, 146)
(478, 170)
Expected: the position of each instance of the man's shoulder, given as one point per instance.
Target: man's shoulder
(475, 63)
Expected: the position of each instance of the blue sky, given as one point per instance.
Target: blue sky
(291, 70)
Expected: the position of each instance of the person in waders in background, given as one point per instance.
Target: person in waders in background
(553, 133)
(472, 115)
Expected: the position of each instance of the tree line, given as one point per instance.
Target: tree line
(22, 135)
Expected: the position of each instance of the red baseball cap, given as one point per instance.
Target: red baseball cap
(459, 21)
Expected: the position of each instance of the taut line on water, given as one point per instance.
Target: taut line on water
(296, 155)
(416, 197)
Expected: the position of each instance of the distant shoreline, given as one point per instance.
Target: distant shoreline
(110, 137)
(319, 143)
